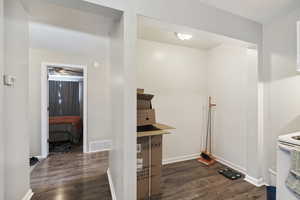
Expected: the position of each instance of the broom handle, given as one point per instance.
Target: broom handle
(207, 130)
(209, 124)
(210, 133)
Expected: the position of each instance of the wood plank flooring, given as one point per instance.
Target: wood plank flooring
(191, 180)
(77, 176)
(71, 176)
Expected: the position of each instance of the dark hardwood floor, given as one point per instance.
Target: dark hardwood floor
(71, 176)
(191, 180)
(77, 176)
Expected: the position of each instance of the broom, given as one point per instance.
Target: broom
(206, 156)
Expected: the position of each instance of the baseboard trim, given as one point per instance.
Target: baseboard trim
(28, 195)
(231, 165)
(41, 157)
(111, 185)
(181, 158)
(100, 150)
(254, 181)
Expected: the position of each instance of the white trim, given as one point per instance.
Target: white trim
(181, 158)
(44, 112)
(99, 150)
(254, 181)
(65, 78)
(298, 46)
(40, 157)
(231, 165)
(111, 185)
(44, 106)
(28, 195)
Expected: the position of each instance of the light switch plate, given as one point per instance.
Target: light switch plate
(9, 80)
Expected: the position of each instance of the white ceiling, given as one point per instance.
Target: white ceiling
(258, 10)
(154, 30)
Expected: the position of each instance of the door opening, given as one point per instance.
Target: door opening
(63, 108)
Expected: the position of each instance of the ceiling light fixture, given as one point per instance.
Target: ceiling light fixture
(183, 36)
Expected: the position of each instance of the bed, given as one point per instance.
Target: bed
(65, 129)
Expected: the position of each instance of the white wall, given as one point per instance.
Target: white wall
(122, 161)
(116, 158)
(182, 78)
(71, 46)
(282, 83)
(177, 76)
(16, 102)
(198, 16)
(228, 76)
(98, 124)
(1, 105)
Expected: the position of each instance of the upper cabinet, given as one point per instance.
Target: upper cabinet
(298, 46)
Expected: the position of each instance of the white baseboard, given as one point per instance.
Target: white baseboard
(231, 165)
(111, 185)
(100, 146)
(28, 195)
(41, 157)
(181, 158)
(254, 181)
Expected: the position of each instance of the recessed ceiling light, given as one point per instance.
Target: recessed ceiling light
(183, 36)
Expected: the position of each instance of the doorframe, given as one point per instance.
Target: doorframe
(45, 102)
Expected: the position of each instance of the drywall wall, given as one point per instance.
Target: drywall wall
(129, 152)
(116, 158)
(98, 124)
(182, 78)
(208, 18)
(16, 101)
(199, 16)
(1, 103)
(78, 44)
(122, 161)
(117, 155)
(228, 76)
(177, 76)
(282, 83)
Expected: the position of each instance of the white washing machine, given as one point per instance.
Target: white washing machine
(285, 144)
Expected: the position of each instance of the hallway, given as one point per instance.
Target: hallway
(71, 176)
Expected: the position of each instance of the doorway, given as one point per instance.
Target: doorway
(204, 69)
(63, 108)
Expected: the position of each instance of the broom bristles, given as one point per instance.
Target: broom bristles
(206, 156)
